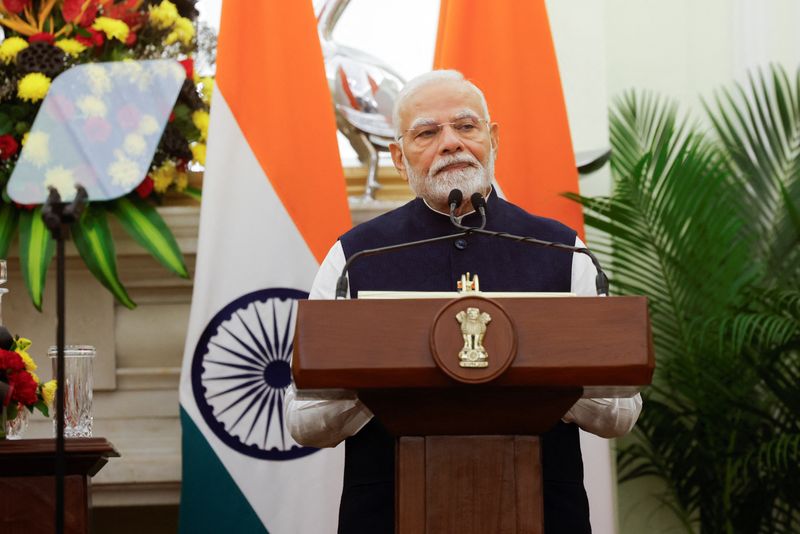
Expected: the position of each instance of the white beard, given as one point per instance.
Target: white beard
(435, 188)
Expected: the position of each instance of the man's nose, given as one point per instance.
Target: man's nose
(449, 140)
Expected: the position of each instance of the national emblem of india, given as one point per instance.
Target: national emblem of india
(473, 329)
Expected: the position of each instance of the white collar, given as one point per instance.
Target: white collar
(458, 217)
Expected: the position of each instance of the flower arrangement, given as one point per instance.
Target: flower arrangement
(20, 388)
(46, 37)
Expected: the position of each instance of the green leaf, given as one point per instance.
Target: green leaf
(93, 240)
(194, 193)
(146, 226)
(9, 217)
(6, 123)
(36, 248)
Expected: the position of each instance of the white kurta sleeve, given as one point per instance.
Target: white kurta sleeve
(325, 422)
(607, 418)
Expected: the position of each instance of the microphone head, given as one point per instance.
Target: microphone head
(478, 201)
(455, 197)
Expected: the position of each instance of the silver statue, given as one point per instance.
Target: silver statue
(364, 90)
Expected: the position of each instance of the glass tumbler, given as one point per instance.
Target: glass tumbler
(78, 362)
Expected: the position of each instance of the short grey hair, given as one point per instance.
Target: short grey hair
(424, 80)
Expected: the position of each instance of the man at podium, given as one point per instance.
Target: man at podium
(446, 140)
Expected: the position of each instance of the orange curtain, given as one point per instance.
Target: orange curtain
(505, 48)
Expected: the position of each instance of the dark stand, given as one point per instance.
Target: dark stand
(58, 216)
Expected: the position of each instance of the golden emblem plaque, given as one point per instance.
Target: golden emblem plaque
(473, 330)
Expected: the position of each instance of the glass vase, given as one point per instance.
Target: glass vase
(15, 428)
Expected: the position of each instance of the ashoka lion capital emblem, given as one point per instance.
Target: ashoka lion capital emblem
(473, 329)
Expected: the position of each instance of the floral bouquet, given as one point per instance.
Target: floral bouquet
(42, 39)
(20, 388)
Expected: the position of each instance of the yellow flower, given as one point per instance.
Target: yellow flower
(37, 149)
(11, 47)
(113, 28)
(183, 31)
(98, 79)
(30, 365)
(163, 177)
(200, 119)
(134, 144)
(62, 179)
(124, 172)
(71, 47)
(207, 88)
(181, 181)
(49, 392)
(33, 87)
(148, 125)
(199, 153)
(35, 377)
(91, 106)
(163, 15)
(22, 343)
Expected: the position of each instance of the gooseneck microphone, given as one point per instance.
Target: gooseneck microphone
(479, 204)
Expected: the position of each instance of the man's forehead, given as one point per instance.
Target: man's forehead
(444, 100)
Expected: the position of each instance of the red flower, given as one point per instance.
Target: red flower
(95, 39)
(16, 6)
(90, 14)
(71, 10)
(24, 387)
(131, 40)
(11, 361)
(171, 116)
(188, 66)
(145, 188)
(26, 207)
(8, 146)
(42, 37)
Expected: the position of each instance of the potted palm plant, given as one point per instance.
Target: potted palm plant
(705, 221)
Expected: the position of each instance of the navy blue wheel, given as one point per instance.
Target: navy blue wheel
(241, 370)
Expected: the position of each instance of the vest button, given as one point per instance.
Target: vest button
(461, 244)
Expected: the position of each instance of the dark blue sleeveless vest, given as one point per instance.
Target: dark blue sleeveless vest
(367, 505)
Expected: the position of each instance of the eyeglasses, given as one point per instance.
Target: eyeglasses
(468, 128)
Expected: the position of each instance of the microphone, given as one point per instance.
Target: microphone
(454, 200)
(479, 205)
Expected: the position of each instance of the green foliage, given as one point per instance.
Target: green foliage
(707, 225)
(146, 226)
(36, 248)
(93, 240)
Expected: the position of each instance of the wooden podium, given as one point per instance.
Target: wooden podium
(468, 459)
(28, 487)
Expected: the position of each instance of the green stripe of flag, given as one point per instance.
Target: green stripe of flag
(211, 501)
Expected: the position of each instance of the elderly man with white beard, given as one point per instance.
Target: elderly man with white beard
(444, 140)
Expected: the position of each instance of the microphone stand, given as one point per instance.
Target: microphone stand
(58, 217)
(479, 203)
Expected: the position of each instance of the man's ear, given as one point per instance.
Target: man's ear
(397, 159)
(494, 135)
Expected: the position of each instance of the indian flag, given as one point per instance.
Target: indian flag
(273, 203)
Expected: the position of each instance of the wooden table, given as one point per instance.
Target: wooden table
(27, 483)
